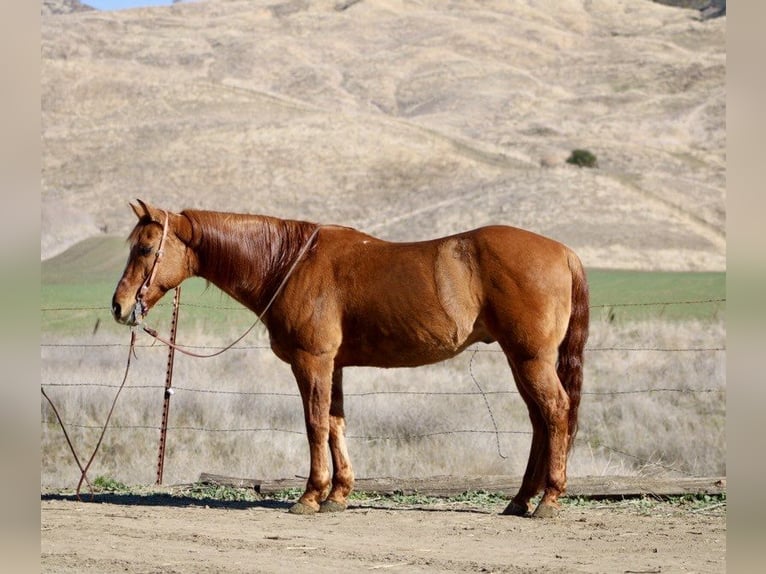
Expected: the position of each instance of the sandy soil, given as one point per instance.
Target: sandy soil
(157, 535)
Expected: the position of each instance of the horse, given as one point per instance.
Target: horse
(332, 296)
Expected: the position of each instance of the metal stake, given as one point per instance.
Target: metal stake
(168, 386)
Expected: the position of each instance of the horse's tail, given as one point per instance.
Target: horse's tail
(571, 349)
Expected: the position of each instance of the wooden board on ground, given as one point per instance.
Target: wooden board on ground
(596, 487)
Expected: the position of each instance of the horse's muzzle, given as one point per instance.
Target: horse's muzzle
(132, 318)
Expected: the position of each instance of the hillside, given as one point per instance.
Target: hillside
(408, 119)
(50, 7)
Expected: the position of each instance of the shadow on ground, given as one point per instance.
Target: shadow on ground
(164, 499)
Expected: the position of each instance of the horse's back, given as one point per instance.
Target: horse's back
(413, 302)
(460, 269)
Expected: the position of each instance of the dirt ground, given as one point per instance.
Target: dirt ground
(153, 535)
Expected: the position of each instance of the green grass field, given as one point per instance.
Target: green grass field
(77, 285)
(76, 290)
(622, 294)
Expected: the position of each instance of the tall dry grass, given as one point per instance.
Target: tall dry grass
(643, 411)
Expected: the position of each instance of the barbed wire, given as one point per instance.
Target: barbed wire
(475, 349)
(242, 308)
(266, 347)
(301, 432)
(369, 394)
(365, 394)
(658, 304)
(644, 462)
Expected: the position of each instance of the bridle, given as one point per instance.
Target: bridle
(150, 277)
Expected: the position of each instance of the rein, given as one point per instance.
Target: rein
(84, 469)
(259, 317)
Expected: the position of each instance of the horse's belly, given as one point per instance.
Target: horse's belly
(417, 314)
(409, 345)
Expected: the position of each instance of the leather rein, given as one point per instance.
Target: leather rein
(259, 317)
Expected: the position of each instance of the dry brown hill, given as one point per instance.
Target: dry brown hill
(406, 118)
(50, 7)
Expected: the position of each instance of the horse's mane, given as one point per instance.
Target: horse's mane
(256, 251)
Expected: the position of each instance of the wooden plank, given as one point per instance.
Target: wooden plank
(208, 478)
(597, 487)
(632, 487)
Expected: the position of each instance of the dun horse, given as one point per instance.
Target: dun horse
(334, 297)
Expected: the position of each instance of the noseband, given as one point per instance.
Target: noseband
(149, 278)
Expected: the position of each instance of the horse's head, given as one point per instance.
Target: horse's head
(159, 261)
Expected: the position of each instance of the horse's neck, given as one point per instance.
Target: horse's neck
(248, 257)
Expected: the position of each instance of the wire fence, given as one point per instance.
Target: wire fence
(84, 382)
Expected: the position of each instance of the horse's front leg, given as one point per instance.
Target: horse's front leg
(342, 474)
(313, 374)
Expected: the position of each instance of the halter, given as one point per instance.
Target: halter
(149, 278)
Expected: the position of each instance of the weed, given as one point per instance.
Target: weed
(287, 495)
(204, 491)
(700, 502)
(576, 501)
(582, 158)
(481, 497)
(107, 484)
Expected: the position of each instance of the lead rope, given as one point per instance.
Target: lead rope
(84, 469)
(259, 318)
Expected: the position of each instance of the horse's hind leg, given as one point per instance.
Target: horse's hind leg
(343, 475)
(548, 406)
(534, 475)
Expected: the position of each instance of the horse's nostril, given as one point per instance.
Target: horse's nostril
(116, 310)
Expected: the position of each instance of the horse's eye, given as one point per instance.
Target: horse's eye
(144, 249)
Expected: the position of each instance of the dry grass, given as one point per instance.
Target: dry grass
(407, 119)
(643, 412)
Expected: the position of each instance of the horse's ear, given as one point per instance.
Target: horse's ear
(145, 210)
(182, 226)
(139, 210)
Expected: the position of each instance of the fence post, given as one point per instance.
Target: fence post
(168, 386)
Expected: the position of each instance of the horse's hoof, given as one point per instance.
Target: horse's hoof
(332, 506)
(546, 510)
(301, 508)
(516, 509)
